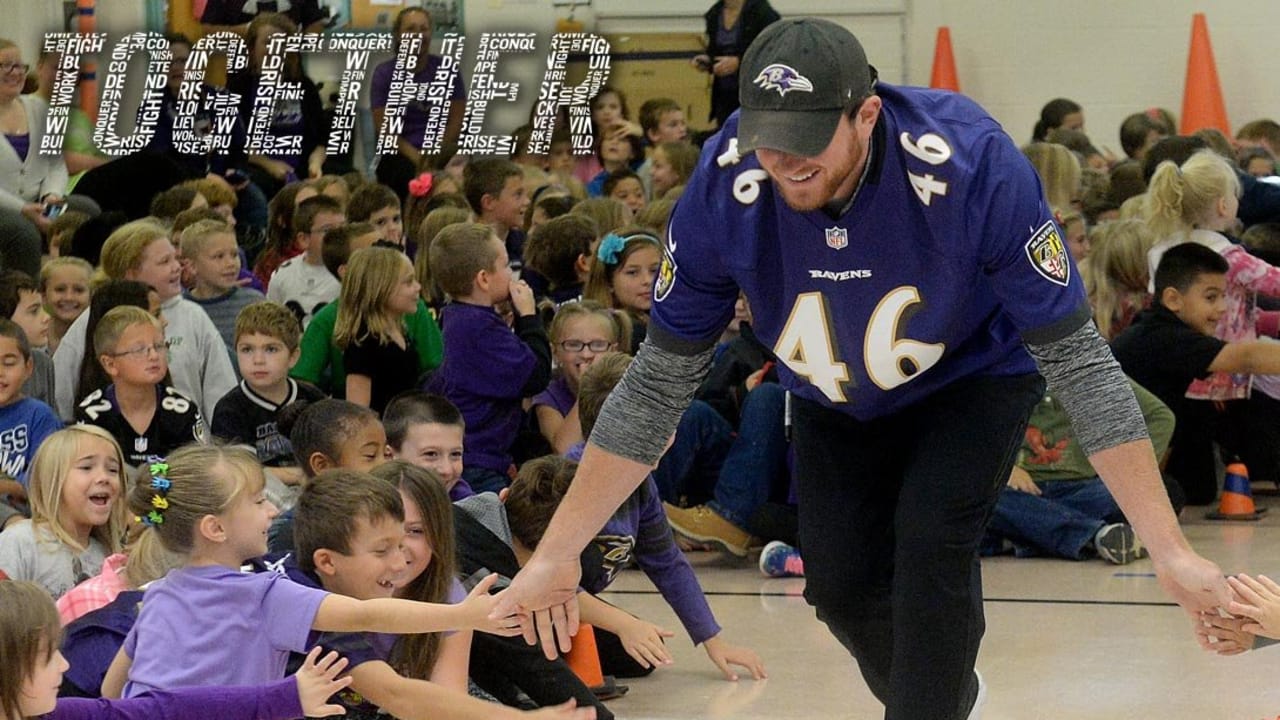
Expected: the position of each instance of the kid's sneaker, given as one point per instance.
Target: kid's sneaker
(779, 559)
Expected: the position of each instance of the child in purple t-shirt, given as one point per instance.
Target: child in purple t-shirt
(488, 370)
(207, 623)
(29, 685)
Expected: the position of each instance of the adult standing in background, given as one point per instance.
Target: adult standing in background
(732, 25)
(33, 184)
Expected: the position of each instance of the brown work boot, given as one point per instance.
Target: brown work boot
(702, 524)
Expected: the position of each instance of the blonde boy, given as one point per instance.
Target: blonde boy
(210, 246)
(131, 347)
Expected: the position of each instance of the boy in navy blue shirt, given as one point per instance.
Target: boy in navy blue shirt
(24, 422)
(488, 370)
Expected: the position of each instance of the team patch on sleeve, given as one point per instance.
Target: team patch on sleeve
(1048, 254)
(666, 272)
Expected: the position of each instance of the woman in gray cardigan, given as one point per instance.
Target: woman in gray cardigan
(32, 183)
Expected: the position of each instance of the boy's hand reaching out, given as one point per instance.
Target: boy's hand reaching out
(723, 655)
(480, 604)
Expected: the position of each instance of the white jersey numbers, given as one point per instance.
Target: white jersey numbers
(892, 361)
(807, 346)
(933, 150)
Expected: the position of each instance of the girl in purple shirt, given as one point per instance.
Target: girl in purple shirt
(580, 332)
(30, 635)
(208, 623)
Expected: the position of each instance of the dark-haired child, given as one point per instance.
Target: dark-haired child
(470, 264)
(427, 431)
(560, 251)
(495, 188)
(302, 283)
(625, 185)
(327, 434)
(24, 422)
(1172, 344)
(22, 303)
(379, 206)
(266, 346)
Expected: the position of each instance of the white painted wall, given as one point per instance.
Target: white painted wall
(1113, 56)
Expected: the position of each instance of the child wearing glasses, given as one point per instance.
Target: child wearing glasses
(580, 332)
(145, 416)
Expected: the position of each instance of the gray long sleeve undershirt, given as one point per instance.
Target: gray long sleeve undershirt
(1084, 376)
(643, 411)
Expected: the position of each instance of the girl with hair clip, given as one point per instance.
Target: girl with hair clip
(379, 289)
(431, 225)
(580, 332)
(199, 363)
(77, 511)
(623, 274)
(207, 504)
(1115, 274)
(33, 668)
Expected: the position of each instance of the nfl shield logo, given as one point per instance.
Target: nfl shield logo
(837, 238)
(140, 444)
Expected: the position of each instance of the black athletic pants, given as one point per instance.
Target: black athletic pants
(891, 515)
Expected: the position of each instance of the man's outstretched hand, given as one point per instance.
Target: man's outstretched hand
(545, 593)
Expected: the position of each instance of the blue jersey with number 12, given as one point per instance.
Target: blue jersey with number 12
(945, 263)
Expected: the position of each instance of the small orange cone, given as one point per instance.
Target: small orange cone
(584, 659)
(1237, 498)
(1202, 105)
(944, 63)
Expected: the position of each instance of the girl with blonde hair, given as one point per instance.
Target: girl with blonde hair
(76, 489)
(379, 289)
(1115, 274)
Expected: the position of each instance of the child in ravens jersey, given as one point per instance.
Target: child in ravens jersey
(266, 346)
(145, 416)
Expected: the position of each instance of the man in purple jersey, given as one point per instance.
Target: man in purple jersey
(900, 259)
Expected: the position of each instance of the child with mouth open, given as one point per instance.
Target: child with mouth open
(77, 511)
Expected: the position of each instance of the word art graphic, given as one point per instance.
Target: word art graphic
(274, 90)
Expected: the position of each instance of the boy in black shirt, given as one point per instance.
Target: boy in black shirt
(266, 344)
(1172, 344)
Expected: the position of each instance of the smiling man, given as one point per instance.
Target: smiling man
(900, 259)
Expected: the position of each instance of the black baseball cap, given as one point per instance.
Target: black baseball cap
(797, 79)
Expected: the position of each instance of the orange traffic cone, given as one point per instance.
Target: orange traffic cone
(944, 63)
(1237, 498)
(584, 660)
(1202, 105)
